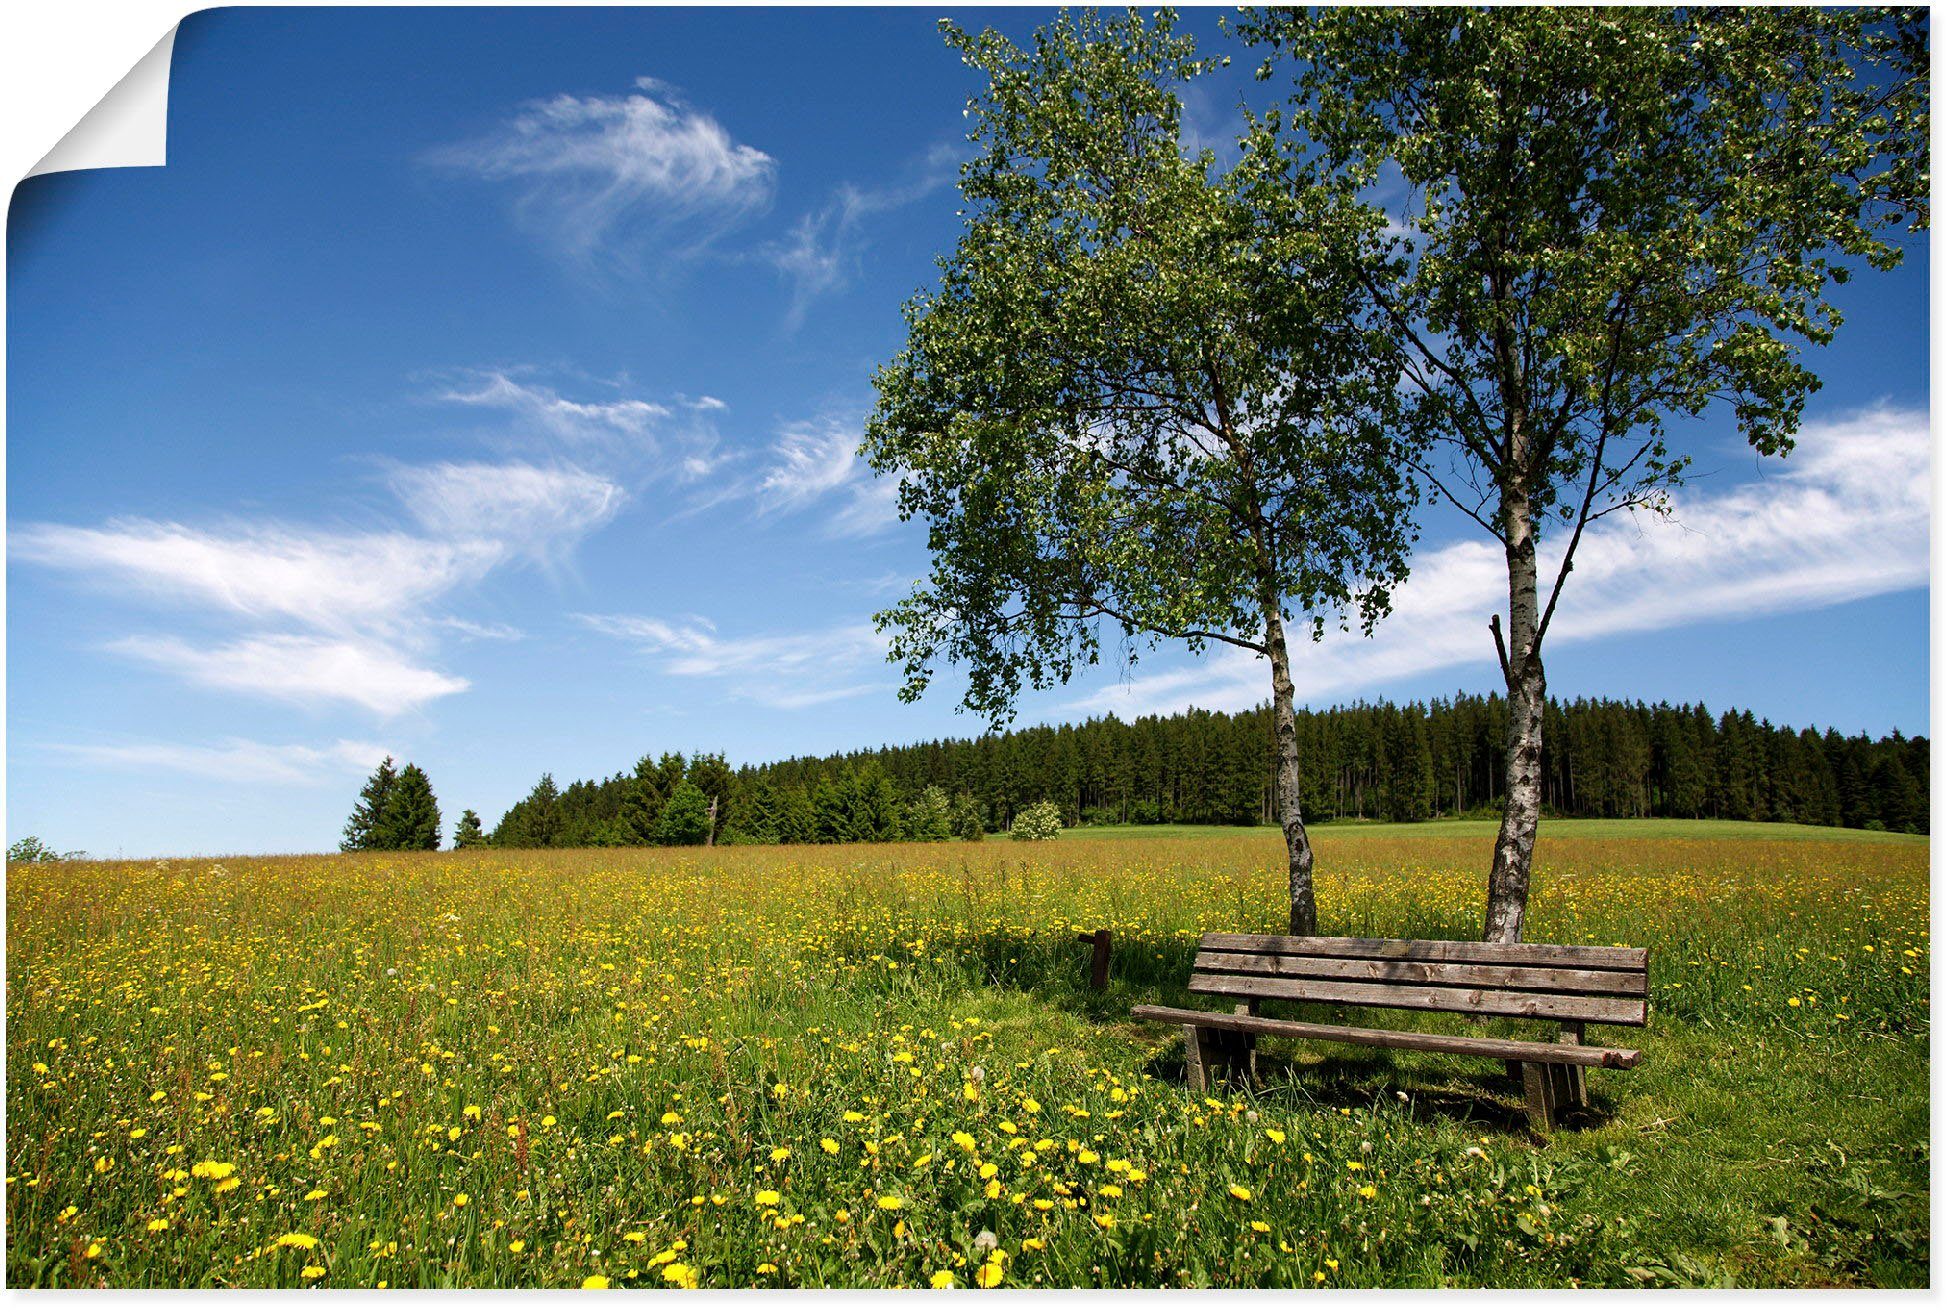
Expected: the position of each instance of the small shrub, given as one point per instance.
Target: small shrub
(1037, 823)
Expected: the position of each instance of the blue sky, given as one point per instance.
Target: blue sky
(482, 386)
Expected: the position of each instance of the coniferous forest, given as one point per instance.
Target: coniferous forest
(1603, 759)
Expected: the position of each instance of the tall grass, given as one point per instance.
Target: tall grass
(879, 1066)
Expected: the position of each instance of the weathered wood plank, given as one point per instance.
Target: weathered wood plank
(1424, 949)
(1524, 1050)
(1571, 1034)
(1246, 1048)
(1194, 1059)
(1539, 1096)
(1459, 974)
(1425, 997)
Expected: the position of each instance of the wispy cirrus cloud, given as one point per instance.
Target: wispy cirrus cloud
(625, 436)
(302, 668)
(319, 578)
(821, 253)
(596, 175)
(234, 760)
(530, 510)
(552, 413)
(788, 671)
(1846, 516)
(816, 463)
(332, 616)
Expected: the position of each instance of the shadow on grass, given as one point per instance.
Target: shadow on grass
(1054, 971)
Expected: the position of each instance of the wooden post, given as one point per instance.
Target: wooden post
(711, 828)
(1572, 1032)
(1194, 1059)
(1099, 959)
(1245, 1046)
(1538, 1091)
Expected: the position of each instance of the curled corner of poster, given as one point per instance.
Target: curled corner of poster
(128, 128)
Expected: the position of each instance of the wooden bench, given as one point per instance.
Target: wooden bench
(1571, 986)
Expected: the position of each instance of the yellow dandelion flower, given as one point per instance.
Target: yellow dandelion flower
(595, 1282)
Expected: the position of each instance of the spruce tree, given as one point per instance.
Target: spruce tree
(468, 832)
(643, 804)
(412, 818)
(364, 831)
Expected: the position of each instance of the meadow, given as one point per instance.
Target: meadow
(880, 1066)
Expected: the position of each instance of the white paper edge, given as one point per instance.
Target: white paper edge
(128, 127)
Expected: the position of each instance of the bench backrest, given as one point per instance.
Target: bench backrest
(1537, 980)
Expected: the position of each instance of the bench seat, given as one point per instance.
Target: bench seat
(1562, 985)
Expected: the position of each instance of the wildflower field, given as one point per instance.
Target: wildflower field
(881, 1066)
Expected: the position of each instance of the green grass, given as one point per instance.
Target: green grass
(617, 1059)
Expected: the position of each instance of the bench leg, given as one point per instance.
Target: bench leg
(1572, 1032)
(1540, 1095)
(1194, 1059)
(1245, 1047)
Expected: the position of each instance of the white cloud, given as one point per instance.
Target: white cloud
(822, 251)
(787, 670)
(353, 607)
(534, 512)
(317, 578)
(587, 166)
(819, 461)
(236, 760)
(303, 669)
(1846, 516)
(483, 632)
(554, 414)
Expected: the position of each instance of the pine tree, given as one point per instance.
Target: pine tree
(534, 821)
(643, 805)
(795, 816)
(468, 832)
(412, 819)
(364, 831)
(686, 819)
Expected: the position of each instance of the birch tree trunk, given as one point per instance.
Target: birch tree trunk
(1516, 837)
(1301, 916)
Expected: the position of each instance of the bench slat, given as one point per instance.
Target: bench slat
(1424, 949)
(1467, 974)
(1503, 1049)
(1423, 997)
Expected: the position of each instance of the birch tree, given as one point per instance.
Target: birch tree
(1613, 219)
(1145, 399)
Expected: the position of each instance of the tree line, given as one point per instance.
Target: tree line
(1603, 758)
